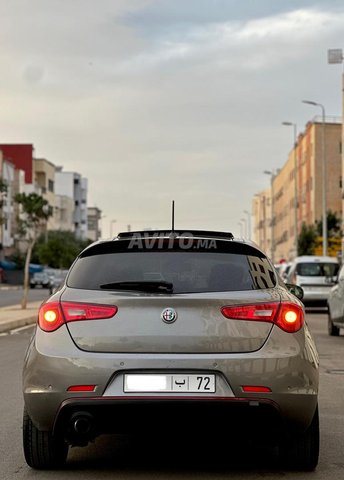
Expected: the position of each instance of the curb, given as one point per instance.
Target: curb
(9, 287)
(14, 317)
(21, 322)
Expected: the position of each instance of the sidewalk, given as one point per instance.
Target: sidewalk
(14, 316)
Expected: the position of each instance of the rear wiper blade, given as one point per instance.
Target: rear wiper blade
(149, 286)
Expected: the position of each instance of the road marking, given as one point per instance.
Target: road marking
(20, 329)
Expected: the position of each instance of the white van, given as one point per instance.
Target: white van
(316, 275)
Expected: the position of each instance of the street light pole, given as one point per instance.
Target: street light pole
(245, 226)
(335, 56)
(240, 224)
(290, 124)
(272, 176)
(111, 223)
(324, 172)
(248, 224)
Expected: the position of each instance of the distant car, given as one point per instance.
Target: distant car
(335, 305)
(3, 278)
(316, 275)
(41, 279)
(284, 270)
(57, 277)
(166, 332)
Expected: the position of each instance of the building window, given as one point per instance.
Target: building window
(76, 181)
(50, 185)
(340, 147)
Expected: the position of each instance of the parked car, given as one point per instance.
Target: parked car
(316, 275)
(284, 270)
(156, 329)
(335, 305)
(57, 277)
(41, 279)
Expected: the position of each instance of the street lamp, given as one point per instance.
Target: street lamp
(324, 182)
(272, 176)
(248, 224)
(290, 124)
(245, 225)
(335, 56)
(111, 223)
(240, 224)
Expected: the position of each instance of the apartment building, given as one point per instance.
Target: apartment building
(74, 186)
(44, 179)
(308, 181)
(93, 222)
(261, 209)
(7, 173)
(64, 213)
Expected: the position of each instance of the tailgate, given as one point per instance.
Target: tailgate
(139, 327)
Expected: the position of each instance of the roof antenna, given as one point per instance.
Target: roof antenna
(172, 216)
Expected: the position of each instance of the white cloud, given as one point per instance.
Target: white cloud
(192, 113)
(292, 32)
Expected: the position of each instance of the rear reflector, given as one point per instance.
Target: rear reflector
(286, 315)
(81, 388)
(255, 389)
(54, 314)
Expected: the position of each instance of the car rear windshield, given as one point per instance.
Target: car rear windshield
(188, 271)
(318, 269)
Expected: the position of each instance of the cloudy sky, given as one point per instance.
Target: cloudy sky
(154, 100)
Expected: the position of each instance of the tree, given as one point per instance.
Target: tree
(32, 219)
(333, 225)
(60, 249)
(306, 240)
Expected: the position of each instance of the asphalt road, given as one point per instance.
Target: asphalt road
(166, 458)
(13, 296)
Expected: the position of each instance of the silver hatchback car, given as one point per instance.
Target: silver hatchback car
(164, 325)
(316, 276)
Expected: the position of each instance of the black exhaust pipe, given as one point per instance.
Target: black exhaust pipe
(82, 423)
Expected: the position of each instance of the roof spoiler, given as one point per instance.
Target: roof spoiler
(176, 234)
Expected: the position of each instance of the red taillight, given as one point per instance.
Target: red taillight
(54, 314)
(288, 316)
(261, 312)
(255, 389)
(81, 388)
(50, 316)
(87, 311)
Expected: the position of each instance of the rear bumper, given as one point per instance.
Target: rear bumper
(315, 296)
(257, 419)
(287, 364)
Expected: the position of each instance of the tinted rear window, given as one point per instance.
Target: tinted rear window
(188, 271)
(318, 269)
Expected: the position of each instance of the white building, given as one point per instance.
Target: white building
(7, 214)
(74, 186)
(94, 215)
(64, 213)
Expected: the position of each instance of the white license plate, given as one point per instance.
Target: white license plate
(154, 383)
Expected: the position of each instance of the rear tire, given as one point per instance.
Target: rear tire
(42, 450)
(332, 329)
(301, 452)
